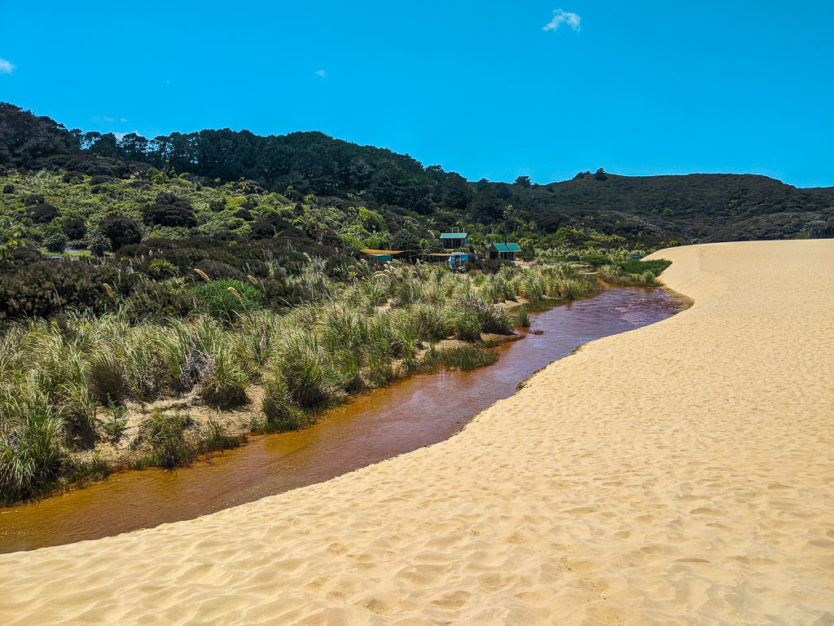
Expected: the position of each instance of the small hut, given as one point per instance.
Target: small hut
(453, 241)
(504, 251)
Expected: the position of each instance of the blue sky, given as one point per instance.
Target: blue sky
(486, 89)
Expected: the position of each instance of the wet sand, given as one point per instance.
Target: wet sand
(682, 472)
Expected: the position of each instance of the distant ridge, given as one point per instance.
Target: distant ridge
(668, 208)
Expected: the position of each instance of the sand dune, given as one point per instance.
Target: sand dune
(680, 473)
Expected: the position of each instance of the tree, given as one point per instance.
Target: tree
(523, 181)
(405, 240)
(55, 241)
(98, 243)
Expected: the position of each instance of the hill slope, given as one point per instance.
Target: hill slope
(649, 210)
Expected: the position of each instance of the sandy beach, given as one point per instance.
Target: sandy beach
(679, 473)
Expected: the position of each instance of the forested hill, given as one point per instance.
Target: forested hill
(651, 209)
(713, 207)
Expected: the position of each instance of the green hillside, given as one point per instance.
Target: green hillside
(238, 185)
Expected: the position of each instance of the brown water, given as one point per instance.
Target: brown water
(404, 416)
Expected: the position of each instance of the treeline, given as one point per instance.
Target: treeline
(652, 210)
(309, 162)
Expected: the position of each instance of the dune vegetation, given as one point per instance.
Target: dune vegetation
(86, 391)
(149, 315)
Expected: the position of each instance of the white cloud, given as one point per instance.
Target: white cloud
(5, 67)
(321, 73)
(563, 17)
(122, 119)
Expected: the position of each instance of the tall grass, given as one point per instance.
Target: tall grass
(458, 357)
(56, 377)
(30, 451)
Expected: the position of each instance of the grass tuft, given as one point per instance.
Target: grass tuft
(457, 358)
(166, 437)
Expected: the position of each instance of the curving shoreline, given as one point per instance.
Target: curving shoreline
(680, 472)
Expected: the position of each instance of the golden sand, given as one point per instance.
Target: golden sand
(679, 473)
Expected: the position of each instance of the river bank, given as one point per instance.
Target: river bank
(370, 427)
(84, 394)
(681, 472)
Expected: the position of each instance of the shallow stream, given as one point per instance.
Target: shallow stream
(404, 416)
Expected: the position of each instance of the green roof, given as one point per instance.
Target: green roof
(507, 247)
(453, 235)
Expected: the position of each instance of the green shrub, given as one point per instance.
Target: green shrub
(227, 300)
(160, 269)
(491, 319)
(43, 213)
(166, 437)
(116, 425)
(430, 323)
(48, 288)
(74, 227)
(656, 267)
(55, 242)
(464, 321)
(522, 319)
(120, 231)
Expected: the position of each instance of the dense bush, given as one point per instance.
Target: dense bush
(120, 231)
(169, 210)
(43, 213)
(227, 300)
(639, 267)
(46, 288)
(74, 227)
(279, 410)
(458, 358)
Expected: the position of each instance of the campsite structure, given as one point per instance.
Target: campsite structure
(453, 241)
(504, 251)
(383, 256)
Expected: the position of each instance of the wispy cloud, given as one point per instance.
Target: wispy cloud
(321, 73)
(6, 67)
(563, 17)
